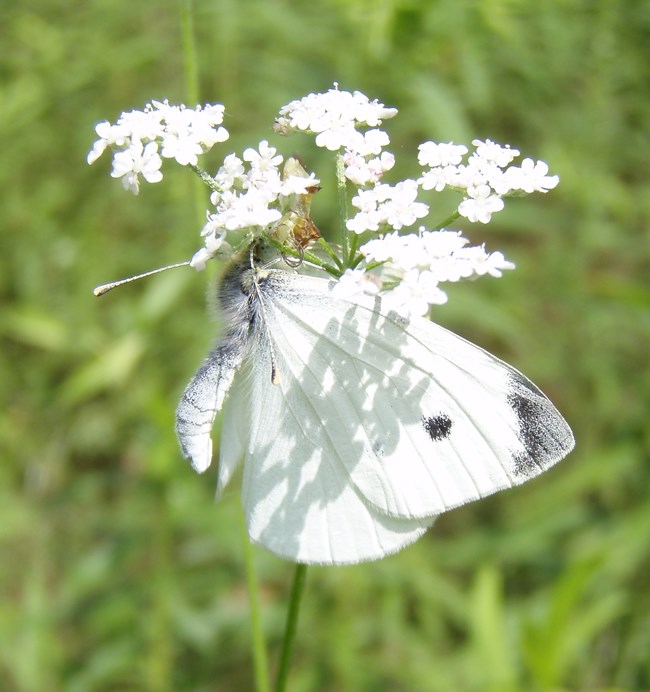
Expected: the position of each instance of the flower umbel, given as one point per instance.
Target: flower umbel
(140, 138)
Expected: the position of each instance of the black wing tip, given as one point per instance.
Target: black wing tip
(545, 436)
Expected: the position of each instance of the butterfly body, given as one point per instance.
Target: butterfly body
(357, 427)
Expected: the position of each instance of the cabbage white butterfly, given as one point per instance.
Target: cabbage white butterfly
(357, 427)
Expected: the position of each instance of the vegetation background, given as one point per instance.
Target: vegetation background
(117, 571)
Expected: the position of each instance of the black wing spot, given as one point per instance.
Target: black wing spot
(437, 427)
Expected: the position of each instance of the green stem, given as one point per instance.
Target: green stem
(447, 221)
(190, 61)
(258, 646)
(205, 177)
(191, 72)
(333, 256)
(291, 625)
(341, 185)
(354, 244)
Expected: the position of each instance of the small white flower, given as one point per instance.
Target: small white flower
(532, 176)
(404, 252)
(434, 179)
(491, 151)
(109, 136)
(362, 171)
(394, 206)
(434, 154)
(415, 293)
(142, 125)
(371, 142)
(264, 159)
(214, 241)
(182, 147)
(135, 161)
(402, 210)
(441, 254)
(337, 136)
(333, 116)
(356, 282)
(480, 205)
(298, 185)
(230, 174)
(493, 264)
(442, 243)
(213, 113)
(249, 209)
(369, 112)
(364, 221)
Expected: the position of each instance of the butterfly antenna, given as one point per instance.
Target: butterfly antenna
(105, 288)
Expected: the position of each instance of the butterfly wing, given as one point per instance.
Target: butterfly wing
(377, 425)
(203, 398)
(297, 495)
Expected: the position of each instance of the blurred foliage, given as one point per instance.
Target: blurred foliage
(117, 571)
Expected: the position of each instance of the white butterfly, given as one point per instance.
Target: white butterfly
(357, 427)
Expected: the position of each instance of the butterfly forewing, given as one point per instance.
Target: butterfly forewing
(422, 419)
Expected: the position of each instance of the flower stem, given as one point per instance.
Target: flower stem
(205, 177)
(333, 256)
(290, 628)
(341, 185)
(190, 62)
(259, 649)
(191, 72)
(447, 221)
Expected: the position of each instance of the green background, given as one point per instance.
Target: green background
(117, 571)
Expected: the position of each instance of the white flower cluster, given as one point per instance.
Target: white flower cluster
(334, 117)
(250, 199)
(412, 266)
(485, 178)
(140, 138)
(387, 206)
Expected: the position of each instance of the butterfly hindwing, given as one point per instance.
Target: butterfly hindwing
(203, 398)
(297, 494)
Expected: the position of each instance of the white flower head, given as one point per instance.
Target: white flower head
(332, 110)
(532, 176)
(413, 265)
(392, 206)
(264, 158)
(137, 160)
(481, 204)
(434, 154)
(495, 153)
(356, 282)
(230, 174)
(175, 132)
(415, 294)
(215, 241)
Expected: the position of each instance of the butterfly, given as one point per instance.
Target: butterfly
(356, 426)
